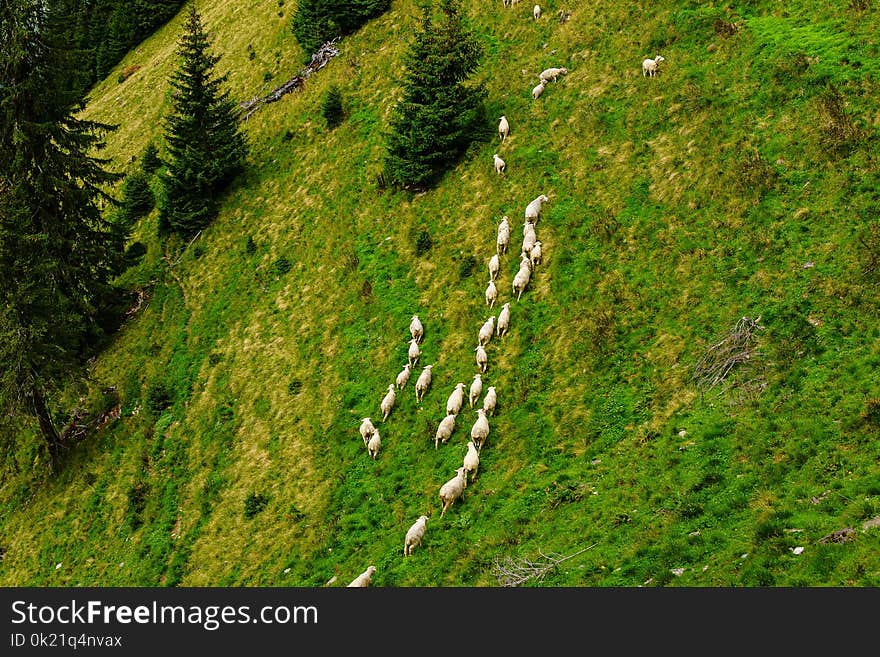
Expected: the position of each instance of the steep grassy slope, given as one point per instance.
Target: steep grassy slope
(740, 182)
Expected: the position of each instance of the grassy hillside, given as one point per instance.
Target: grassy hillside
(742, 181)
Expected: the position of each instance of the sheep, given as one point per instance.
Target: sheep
(374, 444)
(476, 390)
(423, 382)
(482, 358)
(503, 239)
(528, 227)
(538, 90)
(491, 294)
(490, 400)
(533, 209)
(445, 429)
(456, 399)
(471, 460)
(388, 402)
(453, 489)
(403, 377)
(536, 12)
(536, 255)
(500, 164)
(503, 128)
(552, 74)
(494, 267)
(528, 243)
(650, 66)
(367, 429)
(480, 430)
(503, 324)
(414, 352)
(363, 579)
(416, 330)
(414, 536)
(520, 281)
(487, 330)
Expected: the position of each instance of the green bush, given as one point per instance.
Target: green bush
(254, 503)
(331, 107)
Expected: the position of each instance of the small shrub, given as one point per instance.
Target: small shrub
(158, 397)
(250, 246)
(466, 267)
(254, 503)
(871, 413)
(198, 251)
(137, 197)
(251, 52)
(150, 161)
(331, 107)
(367, 290)
(281, 266)
(267, 76)
(287, 136)
(423, 242)
(137, 502)
(294, 387)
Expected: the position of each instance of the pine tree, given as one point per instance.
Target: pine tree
(150, 161)
(57, 250)
(205, 148)
(331, 107)
(440, 115)
(316, 21)
(137, 197)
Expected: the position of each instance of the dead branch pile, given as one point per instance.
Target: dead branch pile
(739, 346)
(513, 572)
(319, 60)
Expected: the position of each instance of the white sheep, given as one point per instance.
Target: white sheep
(471, 461)
(528, 227)
(503, 128)
(403, 377)
(445, 429)
(487, 330)
(482, 358)
(367, 429)
(503, 239)
(374, 444)
(414, 536)
(552, 74)
(456, 399)
(476, 390)
(503, 324)
(364, 578)
(536, 12)
(414, 352)
(388, 402)
(490, 400)
(491, 294)
(500, 164)
(650, 66)
(494, 267)
(520, 281)
(539, 89)
(480, 430)
(536, 254)
(528, 243)
(423, 382)
(453, 489)
(533, 209)
(416, 330)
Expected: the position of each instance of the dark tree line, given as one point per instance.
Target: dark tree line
(316, 21)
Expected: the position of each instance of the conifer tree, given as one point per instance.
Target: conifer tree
(205, 149)
(316, 21)
(137, 197)
(440, 115)
(150, 161)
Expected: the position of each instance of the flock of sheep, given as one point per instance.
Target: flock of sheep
(531, 256)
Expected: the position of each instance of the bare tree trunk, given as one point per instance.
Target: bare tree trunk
(47, 425)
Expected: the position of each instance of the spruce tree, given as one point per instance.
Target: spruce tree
(150, 161)
(440, 115)
(58, 252)
(331, 107)
(137, 197)
(205, 149)
(316, 21)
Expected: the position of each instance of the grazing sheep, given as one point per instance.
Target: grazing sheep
(528, 227)
(494, 267)
(414, 536)
(503, 240)
(476, 390)
(535, 254)
(491, 294)
(525, 262)
(374, 444)
(471, 460)
(482, 358)
(538, 90)
(480, 430)
(520, 281)
(416, 330)
(528, 243)
(503, 321)
(403, 377)
(490, 400)
(533, 209)
(423, 382)
(414, 352)
(367, 429)
(487, 330)
(445, 429)
(455, 401)
(500, 164)
(503, 128)
(453, 489)
(651, 66)
(536, 12)
(388, 402)
(552, 73)
(363, 579)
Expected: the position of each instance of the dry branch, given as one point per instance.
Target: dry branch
(513, 572)
(739, 346)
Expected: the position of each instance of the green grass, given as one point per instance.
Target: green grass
(678, 205)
